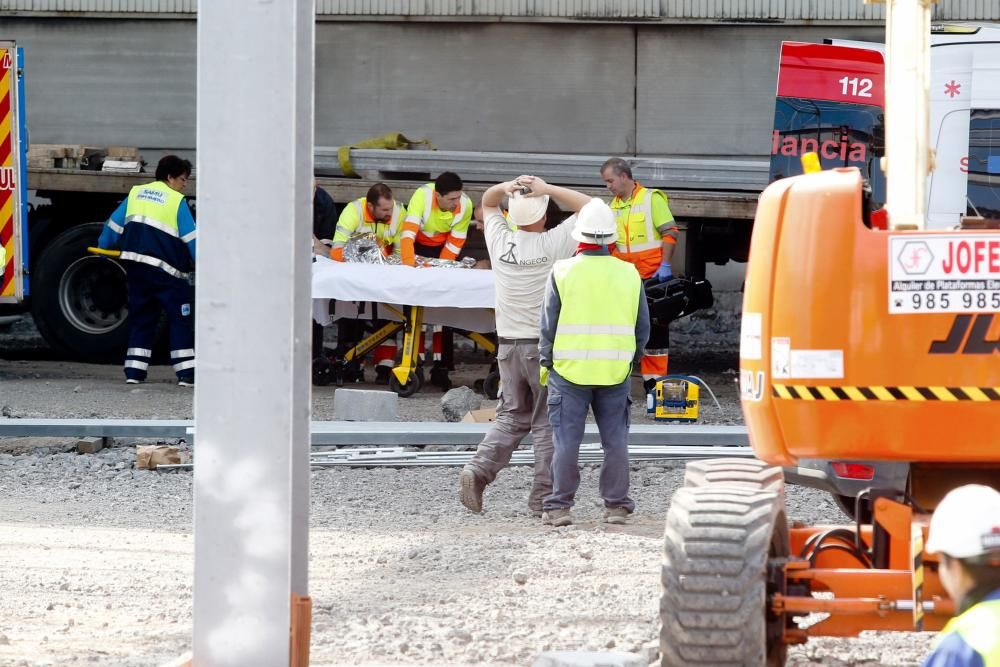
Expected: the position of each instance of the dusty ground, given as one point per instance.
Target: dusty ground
(97, 556)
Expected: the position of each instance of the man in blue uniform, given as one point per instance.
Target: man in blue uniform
(155, 232)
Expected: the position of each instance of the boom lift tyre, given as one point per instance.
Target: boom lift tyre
(724, 542)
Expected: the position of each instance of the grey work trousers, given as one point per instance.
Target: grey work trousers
(568, 407)
(521, 410)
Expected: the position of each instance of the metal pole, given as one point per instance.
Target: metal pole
(908, 160)
(255, 135)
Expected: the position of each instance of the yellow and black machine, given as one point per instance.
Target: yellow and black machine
(406, 378)
(858, 344)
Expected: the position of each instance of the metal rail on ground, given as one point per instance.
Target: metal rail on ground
(591, 453)
(367, 434)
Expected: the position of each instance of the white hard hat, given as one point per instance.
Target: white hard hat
(966, 523)
(595, 224)
(523, 211)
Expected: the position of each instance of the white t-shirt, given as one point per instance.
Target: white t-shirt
(521, 263)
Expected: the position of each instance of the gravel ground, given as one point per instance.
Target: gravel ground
(98, 555)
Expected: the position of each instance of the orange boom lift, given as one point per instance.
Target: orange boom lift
(857, 344)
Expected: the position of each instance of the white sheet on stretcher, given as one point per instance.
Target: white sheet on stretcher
(461, 298)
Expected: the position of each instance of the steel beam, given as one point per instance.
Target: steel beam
(252, 401)
(366, 434)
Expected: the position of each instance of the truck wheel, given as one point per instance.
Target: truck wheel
(725, 546)
(80, 301)
(745, 472)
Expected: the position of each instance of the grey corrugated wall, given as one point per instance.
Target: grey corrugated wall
(664, 10)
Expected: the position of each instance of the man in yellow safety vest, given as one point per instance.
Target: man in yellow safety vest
(965, 531)
(594, 324)
(647, 236)
(437, 222)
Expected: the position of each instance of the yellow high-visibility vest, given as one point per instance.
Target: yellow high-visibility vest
(595, 335)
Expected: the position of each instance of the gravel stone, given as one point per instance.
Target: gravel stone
(458, 401)
(400, 572)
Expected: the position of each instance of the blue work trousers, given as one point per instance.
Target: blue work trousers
(151, 291)
(568, 405)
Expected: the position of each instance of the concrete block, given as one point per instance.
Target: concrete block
(365, 405)
(589, 659)
(91, 445)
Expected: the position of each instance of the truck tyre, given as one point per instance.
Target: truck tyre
(725, 547)
(746, 472)
(80, 301)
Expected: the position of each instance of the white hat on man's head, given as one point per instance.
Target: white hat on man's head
(523, 211)
(595, 223)
(966, 523)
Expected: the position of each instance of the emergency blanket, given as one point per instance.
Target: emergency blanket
(461, 298)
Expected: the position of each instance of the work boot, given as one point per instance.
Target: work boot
(133, 381)
(470, 491)
(185, 381)
(616, 515)
(557, 517)
(382, 374)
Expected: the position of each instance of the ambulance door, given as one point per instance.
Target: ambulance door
(951, 96)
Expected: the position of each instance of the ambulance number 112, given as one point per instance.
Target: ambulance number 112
(855, 87)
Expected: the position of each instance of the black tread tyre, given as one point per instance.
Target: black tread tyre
(80, 301)
(748, 472)
(410, 388)
(719, 541)
(491, 386)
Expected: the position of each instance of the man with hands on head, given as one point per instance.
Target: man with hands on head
(521, 262)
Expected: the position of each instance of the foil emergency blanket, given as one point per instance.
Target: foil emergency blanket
(367, 249)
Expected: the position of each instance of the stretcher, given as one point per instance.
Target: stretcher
(407, 298)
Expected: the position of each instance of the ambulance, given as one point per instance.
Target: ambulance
(830, 101)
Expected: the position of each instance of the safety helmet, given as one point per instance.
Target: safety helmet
(595, 223)
(966, 524)
(523, 211)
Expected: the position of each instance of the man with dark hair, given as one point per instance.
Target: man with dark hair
(647, 236)
(379, 214)
(437, 222)
(376, 213)
(155, 232)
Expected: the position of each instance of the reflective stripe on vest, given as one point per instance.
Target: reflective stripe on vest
(979, 627)
(154, 204)
(636, 231)
(595, 335)
(433, 228)
(389, 229)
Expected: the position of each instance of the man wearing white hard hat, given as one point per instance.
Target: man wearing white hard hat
(521, 262)
(965, 531)
(595, 323)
